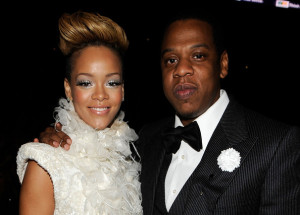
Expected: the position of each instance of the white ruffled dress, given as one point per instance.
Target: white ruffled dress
(97, 176)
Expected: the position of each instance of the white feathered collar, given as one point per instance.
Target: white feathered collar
(113, 172)
(115, 139)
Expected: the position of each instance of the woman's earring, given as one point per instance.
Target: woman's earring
(68, 99)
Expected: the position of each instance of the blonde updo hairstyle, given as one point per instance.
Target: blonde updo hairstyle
(82, 29)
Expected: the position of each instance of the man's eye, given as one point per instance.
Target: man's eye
(170, 61)
(199, 56)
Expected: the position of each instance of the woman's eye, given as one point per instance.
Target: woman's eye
(84, 83)
(113, 83)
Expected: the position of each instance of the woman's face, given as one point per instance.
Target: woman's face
(96, 86)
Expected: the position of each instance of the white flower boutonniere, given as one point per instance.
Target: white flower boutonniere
(229, 160)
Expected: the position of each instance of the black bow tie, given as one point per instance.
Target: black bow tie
(172, 137)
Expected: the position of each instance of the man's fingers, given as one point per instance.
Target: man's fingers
(64, 139)
(66, 142)
(61, 135)
(55, 137)
(44, 136)
(50, 137)
(57, 127)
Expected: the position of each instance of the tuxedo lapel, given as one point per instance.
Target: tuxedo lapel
(150, 174)
(179, 204)
(152, 160)
(208, 178)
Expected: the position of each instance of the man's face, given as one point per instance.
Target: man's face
(191, 70)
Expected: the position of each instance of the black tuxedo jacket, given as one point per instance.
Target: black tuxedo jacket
(267, 181)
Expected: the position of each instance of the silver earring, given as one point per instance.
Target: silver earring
(68, 99)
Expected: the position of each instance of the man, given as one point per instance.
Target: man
(243, 163)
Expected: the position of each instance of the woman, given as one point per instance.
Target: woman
(97, 175)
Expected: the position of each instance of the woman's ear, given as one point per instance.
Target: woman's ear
(68, 90)
(224, 61)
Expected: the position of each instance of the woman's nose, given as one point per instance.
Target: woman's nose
(100, 93)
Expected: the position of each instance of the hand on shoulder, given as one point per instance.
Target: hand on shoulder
(53, 136)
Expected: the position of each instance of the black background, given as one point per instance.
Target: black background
(263, 75)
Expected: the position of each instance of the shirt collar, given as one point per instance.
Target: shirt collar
(209, 120)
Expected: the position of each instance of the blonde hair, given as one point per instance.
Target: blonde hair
(81, 29)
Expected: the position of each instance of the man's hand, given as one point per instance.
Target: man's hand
(55, 137)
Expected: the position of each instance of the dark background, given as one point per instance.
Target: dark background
(264, 51)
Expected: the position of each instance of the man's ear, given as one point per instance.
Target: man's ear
(123, 93)
(68, 90)
(224, 61)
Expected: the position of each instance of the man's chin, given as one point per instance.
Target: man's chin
(187, 116)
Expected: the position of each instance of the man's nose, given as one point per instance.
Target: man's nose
(183, 68)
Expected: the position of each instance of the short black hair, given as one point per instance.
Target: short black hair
(207, 13)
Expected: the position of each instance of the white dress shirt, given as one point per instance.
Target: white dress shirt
(186, 159)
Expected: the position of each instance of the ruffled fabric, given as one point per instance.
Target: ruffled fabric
(97, 175)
